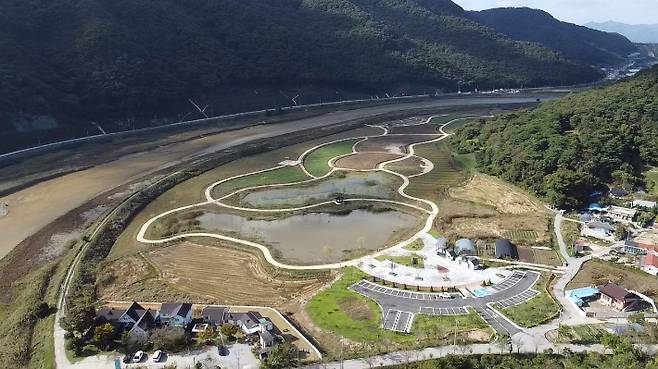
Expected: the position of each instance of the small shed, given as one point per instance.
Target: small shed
(465, 246)
(506, 250)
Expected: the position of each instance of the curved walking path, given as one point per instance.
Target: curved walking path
(432, 213)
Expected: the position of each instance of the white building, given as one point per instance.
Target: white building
(644, 204)
(621, 215)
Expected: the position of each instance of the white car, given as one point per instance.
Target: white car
(444, 295)
(157, 356)
(138, 357)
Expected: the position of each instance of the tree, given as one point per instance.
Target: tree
(207, 335)
(104, 335)
(282, 356)
(170, 339)
(621, 232)
(79, 318)
(229, 330)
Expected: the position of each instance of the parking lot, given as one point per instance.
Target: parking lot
(400, 306)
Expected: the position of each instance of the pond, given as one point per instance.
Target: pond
(317, 238)
(364, 185)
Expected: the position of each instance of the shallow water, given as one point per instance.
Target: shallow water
(370, 185)
(316, 237)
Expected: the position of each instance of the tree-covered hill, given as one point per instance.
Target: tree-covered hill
(576, 42)
(127, 63)
(565, 149)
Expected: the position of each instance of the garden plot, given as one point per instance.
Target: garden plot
(410, 166)
(416, 129)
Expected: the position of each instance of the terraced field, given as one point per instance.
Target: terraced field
(521, 236)
(444, 175)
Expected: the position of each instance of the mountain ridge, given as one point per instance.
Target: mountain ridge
(575, 42)
(135, 63)
(639, 33)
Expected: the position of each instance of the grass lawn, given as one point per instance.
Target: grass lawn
(415, 246)
(346, 313)
(316, 161)
(537, 310)
(282, 175)
(405, 260)
(446, 326)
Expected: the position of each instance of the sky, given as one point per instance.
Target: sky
(580, 11)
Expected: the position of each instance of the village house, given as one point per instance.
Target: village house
(176, 314)
(135, 320)
(650, 264)
(618, 193)
(250, 322)
(620, 299)
(621, 215)
(215, 315)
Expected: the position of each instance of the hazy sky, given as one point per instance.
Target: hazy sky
(581, 11)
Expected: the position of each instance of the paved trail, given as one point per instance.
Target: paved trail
(141, 236)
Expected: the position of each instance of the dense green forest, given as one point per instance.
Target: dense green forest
(576, 42)
(132, 63)
(565, 149)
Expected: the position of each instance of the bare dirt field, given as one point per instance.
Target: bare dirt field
(416, 129)
(390, 144)
(364, 161)
(409, 166)
(228, 276)
(484, 207)
(492, 192)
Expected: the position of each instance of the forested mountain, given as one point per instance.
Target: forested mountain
(641, 33)
(128, 63)
(565, 149)
(576, 42)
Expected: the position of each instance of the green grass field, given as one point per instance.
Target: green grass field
(537, 310)
(446, 326)
(415, 246)
(405, 260)
(282, 175)
(316, 161)
(445, 174)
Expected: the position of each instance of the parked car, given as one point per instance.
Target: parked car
(138, 357)
(444, 295)
(127, 358)
(158, 356)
